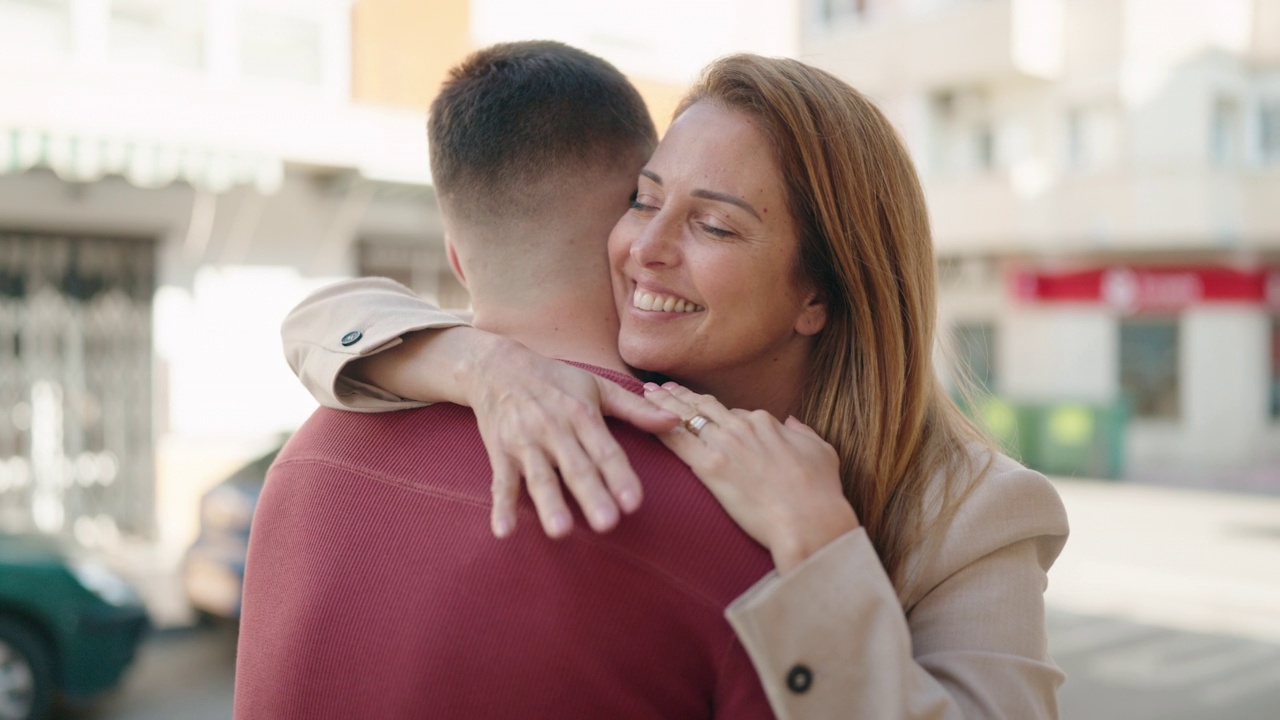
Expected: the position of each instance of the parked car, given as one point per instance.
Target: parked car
(213, 570)
(69, 626)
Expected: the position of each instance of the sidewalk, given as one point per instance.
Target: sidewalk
(1187, 559)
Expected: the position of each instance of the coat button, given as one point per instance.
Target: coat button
(799, 679)
(351, 338)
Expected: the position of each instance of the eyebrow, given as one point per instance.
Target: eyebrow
(709, 194)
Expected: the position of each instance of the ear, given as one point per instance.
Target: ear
(813, 315)
(453, 261)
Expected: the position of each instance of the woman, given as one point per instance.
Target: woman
(777, 256)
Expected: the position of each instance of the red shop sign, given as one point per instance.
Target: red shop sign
(1137, 289)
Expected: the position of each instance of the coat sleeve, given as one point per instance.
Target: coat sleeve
(832, 639)
(349, 320)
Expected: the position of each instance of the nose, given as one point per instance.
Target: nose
(657, 244)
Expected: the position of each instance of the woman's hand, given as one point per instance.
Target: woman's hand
(780, 482)
(537, 416)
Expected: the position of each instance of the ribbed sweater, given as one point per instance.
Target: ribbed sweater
(374, 588)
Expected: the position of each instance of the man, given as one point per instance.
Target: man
(374, 587)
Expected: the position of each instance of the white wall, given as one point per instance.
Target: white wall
(1225, 373)
(1059, 353)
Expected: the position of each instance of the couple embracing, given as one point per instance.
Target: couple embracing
(824, 534)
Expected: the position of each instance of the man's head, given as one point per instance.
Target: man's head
(532, 142)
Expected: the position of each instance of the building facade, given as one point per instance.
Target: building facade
(1104, 183)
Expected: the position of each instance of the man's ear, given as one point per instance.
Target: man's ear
(813, 315)
(453, 261)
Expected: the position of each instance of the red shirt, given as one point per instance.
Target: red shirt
(374, 588)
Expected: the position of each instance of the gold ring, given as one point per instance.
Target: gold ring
(696, 423)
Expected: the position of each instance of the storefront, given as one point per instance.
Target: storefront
(1191, 354)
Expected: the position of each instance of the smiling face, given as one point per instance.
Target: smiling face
(704, 266)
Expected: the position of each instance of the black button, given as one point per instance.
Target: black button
(799, 679)
(351, 338)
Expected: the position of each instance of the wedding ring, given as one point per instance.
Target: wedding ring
(696, 423)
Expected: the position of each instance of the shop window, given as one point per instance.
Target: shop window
(280, 45)
(1275, 368)
(158, 32)
(1149, 367)
(975, 348)
(35, 28)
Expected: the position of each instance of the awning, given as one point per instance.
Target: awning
(77, 158)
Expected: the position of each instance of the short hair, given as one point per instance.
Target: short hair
(515, 114)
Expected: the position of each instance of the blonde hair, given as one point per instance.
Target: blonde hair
(865, 245)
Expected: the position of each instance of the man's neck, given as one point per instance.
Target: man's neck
(568, 328)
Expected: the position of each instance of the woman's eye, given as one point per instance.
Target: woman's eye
(716, 231)
(639, 203)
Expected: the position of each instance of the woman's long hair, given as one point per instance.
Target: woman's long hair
(865, 245)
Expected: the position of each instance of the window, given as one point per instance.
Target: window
(35, 28)
(158, 33)
(1149, 367)
(832, 12)
(1269, 131)
(1228, 132)
(966, 138)
(279, 45)
(1275, 368)
(975, 349)
(1093, 138)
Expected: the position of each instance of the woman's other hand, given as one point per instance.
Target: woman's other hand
(779, 481)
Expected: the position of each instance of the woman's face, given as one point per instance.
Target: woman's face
(704, 261)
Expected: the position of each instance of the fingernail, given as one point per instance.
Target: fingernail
(650, 387)
(605, 517)
(560, 524)
(502, 527)
(629, 498)
(669, 384)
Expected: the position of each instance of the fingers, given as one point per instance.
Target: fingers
(579, 472)
(506, 491)
(544, 490)
(618, 402)
(705, 405)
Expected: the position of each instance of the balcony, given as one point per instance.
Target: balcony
(962, 43)
(1118, 211)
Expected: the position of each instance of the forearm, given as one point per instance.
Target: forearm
(430, 365)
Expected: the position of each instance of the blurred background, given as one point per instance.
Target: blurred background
(1104, 182)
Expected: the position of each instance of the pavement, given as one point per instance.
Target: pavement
(1194, 560)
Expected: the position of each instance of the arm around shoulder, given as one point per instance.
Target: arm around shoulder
(833, 639)
(347, 321)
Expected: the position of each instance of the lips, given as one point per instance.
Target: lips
(658, 302)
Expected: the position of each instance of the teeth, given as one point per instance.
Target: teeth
(662, 303)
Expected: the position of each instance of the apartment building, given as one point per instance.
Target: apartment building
(1104, 183)
(174, 175)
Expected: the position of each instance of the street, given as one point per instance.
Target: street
(1164, 605)
(179, 674)
(1116, 670)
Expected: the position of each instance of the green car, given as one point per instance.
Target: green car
(68, 627)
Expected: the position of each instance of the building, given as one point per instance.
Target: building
(1104, 183)
(174, 176)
